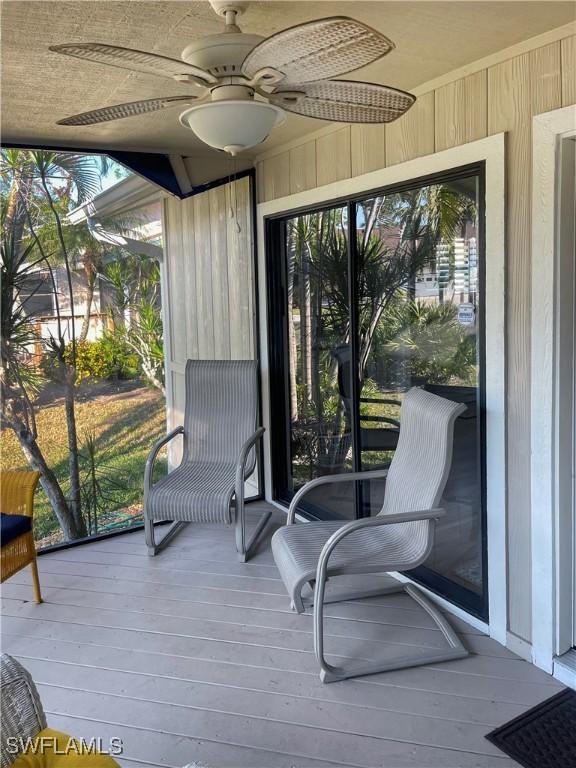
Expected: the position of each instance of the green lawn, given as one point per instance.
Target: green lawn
(124, 423)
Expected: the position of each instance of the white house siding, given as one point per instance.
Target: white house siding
(499, 95)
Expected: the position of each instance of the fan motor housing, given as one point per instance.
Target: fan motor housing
(221, 54)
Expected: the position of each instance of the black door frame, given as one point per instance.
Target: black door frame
(276, 293)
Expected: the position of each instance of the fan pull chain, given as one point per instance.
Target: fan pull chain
(232, 168)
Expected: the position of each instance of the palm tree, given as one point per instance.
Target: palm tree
(87, 254)
(42, 186)
(397, 236)
(78, 175)
(19, 378)
(135, 284)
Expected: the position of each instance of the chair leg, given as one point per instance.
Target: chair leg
(297, 602)
(244, 548)
(36, 580)
(173, 529)
(330, 674)
(149, 535)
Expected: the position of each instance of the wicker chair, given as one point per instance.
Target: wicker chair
(22, 713)
(17, 506)
(25, 734)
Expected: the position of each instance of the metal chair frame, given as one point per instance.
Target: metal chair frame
(330, 673)
(244, 544)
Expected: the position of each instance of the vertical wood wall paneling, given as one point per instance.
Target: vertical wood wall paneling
(187, 273)
(412, 135)
(244, 201)
(303, 167)
(368, 148)
(176, 297)
(246, 249)
(176, 418)
(260, 175)
(545, 72)
(568, 52)
(219, 268)
(333, 156)
(460, 111)
(208, 266)
(235, 285)
(276, 172)
(202, 245)
(240, 270)
(517, 90)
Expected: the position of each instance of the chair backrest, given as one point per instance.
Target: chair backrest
(421, 463)
(221, 409)
(17, 491)
(22, 713)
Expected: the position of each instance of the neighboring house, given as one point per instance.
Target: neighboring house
(136, 204)
(44, 303)
(127, 214)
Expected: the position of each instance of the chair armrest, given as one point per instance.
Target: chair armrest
(371, 522)
(148, 471)
(22, 713)
(373, 474)
(243, 458)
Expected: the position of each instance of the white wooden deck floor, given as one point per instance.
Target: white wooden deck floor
(192, 657)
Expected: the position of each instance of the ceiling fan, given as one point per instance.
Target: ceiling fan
(242, 84)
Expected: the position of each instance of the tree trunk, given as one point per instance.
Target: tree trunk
(73, 463)
(315, 321)
(17, 201)
(305, 329)
(69, 381)
(149, 373)
(293, 352)
(90, 285)
(50, 485)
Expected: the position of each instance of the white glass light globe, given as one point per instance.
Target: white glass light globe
(232, 125)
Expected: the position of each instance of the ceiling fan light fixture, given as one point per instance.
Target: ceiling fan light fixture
(233, 125)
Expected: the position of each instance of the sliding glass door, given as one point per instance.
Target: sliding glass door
(368, 298)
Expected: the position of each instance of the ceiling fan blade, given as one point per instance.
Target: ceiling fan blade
(344, 101)
(118, 111)
(318, 50)
(135, 61)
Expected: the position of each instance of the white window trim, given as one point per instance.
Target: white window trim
(491, 150)
(546, 515)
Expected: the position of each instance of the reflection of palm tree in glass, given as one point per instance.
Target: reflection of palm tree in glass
(397, 237)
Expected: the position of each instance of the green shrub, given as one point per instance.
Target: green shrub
(426, 341)
(109, 357)
(124, 362)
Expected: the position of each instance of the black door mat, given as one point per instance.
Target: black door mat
(543, 737)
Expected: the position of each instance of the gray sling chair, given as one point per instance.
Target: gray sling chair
(398, 538)
(220, 435)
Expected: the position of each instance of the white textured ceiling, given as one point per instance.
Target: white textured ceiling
(40, 87)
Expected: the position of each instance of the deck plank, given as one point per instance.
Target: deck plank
(284, 737)
(193, 657)
(440, 732)
(387, 626)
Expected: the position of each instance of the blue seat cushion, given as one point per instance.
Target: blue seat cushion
(13, 526)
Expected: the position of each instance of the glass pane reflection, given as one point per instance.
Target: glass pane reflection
(418, 326)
